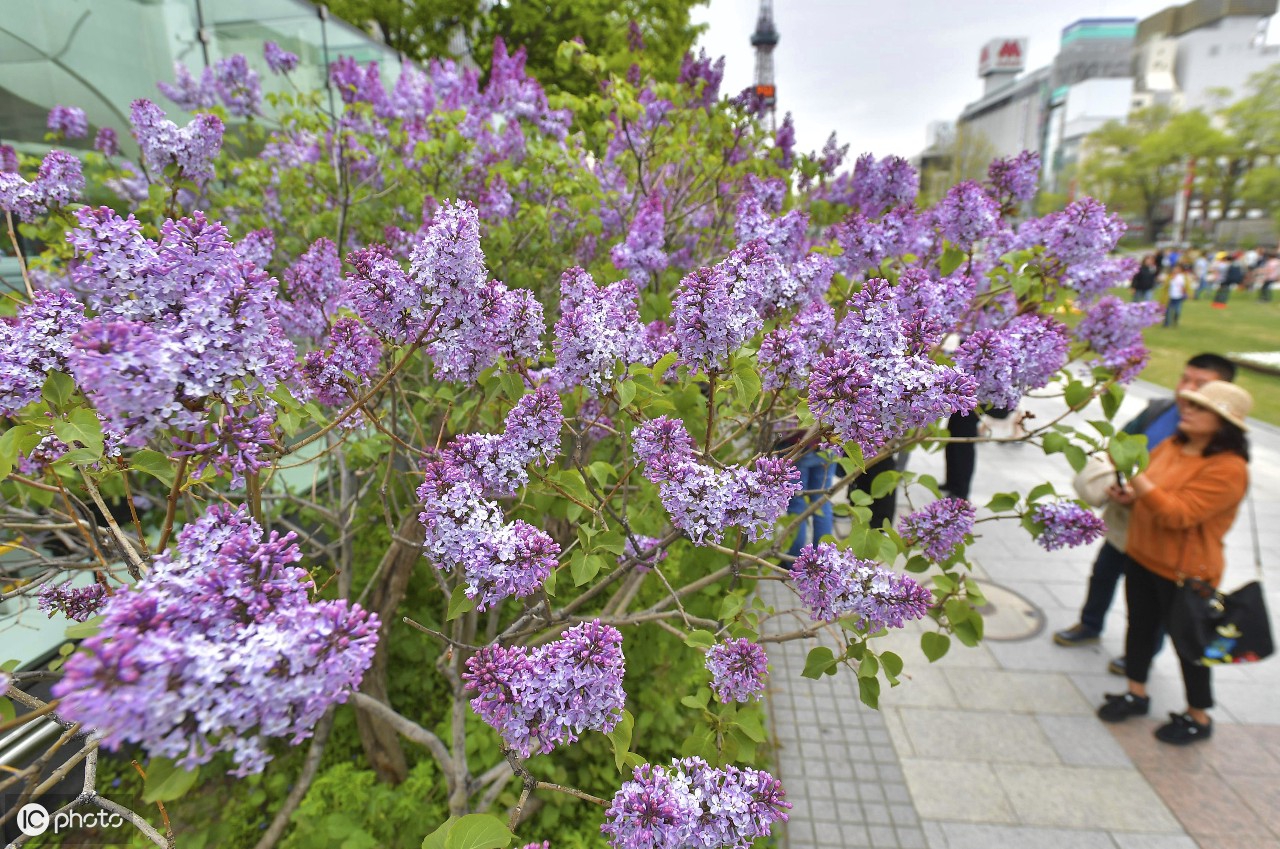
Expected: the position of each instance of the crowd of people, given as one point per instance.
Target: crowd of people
(1174, 276)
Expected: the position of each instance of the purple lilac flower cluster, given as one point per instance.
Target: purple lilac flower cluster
(738, 669)
(336, 374)
(59, 181)
(532, 435)
(279, 60)
(191, 148)
(45, 453)
(966, 215)
(1114, 330)
(1014, 179)
(866, 243)
(704, 501)
(835, 583)
(107, 142)
(1009, 361)
(235, 445)
(238, 86)
(8, 159)
(642, 253)
(188, 93)
(68, 122)
(784, 141)
(33, 343)
(179, 321)
(702, 76)
(939, 528)
(833, 155)
(1066, 525)
(598, 332)
(879, 383)
(788, 351)
(550, 695)
(877, 186)
(635, 549)
(716, 309)
(936, 304)
(257, 247)
(218, 648)
(75, 603)
(691, 805)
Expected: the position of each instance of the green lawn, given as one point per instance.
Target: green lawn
(1244, 326)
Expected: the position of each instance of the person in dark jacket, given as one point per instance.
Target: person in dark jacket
(1145, 279)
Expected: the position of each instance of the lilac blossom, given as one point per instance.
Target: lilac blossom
(1066, 524)
(598, 332)
(704, 502)
(75, 603)
(738, 668)
(236, 445)
(784, 141)
(714, 311)
(532, 435)
(33, 343)
(662, 444)
(702, 76)
(46, 452)
(1093, 279)
(934, 304)
(877, 186)
(279, 60)
(58, 181)
(1010, 361)
(356, 83)
(8, 159)
(833, 154)
(257, 246)
(339, 372)
(106, 142)
(641, 254)
(191, 148)
(939, 528)
(789, 350)
(238, 86)
(643, 552)
(835, 584)
(1114, 330)
(218, 648)
(1080, 234)
(547, 696)
(690, 805)
(190, 94)
(68, 122)
(1016, 178)
(966, 215)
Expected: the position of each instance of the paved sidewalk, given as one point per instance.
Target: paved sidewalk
(997, 747)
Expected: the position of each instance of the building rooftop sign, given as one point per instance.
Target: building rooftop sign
(1002, 56)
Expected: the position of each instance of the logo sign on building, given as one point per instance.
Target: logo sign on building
(1002, 55)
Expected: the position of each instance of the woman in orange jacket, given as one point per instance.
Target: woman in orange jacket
(1183, 506)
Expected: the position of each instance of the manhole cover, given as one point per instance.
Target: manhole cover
(1008, 616)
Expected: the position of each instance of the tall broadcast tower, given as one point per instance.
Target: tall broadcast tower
(764, 39)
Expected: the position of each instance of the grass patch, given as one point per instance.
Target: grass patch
(1246, 325)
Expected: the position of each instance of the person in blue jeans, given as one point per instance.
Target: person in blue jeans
(817, 475)
(1158, 421)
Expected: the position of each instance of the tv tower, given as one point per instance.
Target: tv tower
(764, 39)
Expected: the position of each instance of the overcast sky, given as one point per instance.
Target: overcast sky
(878, 71)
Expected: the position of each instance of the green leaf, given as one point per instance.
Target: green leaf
(602, 472)
(1077, 394)
(512, 386)
(821, 661)
(945, 584)
(885, 483)
(153, 463)
(1002, 501)
(747, 380)
(620, 737)
(730, 607)
(869, 692)
(1040, 492)
(7, 712)
(626, 393)
(167, 781)
(85, 629)
(81, 426)
(752, 724)
(700, 639)
(1076, 457)
(1055, 443)
(459, 603)
(58, 389)
(699, 700)
(892, 664)
(665, 362)
(585, 568)
(1111, 400)
(11, 446)
(934, 645)
(869, 668)
(969, 631)
(951, 259)
(549, 585)
(473, 831)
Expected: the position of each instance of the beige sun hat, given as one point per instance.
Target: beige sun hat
(1231, 402)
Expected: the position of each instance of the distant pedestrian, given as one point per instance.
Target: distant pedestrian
(1270, 272)
(1232, 276)
(1179, 283)
(1145, 278)
(1202, 275)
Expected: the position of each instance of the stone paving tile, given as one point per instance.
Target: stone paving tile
(933, 784)
(1083, 741)
(962, 735)
(1016, 692)
(1128, 840)
(963, 835)
(1085, 797)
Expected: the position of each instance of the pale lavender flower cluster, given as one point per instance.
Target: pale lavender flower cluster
(217, 649)
(1009, 361)
(235, 445)
(640, 550)
(1066, 524)
(466, 532)
(933, 306)
(238, 86)
(833, 154)
(107, 142)
(1094, 279)
(788, 351)
(257, 246)
(784, 141)
(703, 76)
(939, 528)
(738, 669)
(835, 583)
(1015, 178)
(45, 453)
(336, 374)
(598, 332)
(691, 805)
(704, 501)
(59, 181)
(548, 696)
(279, 60)
(68, 122)
(179, 321)
(75, 603)
(715, 308)
(188, 93)
(966, 215)
(877, 186)
(1078, 237)
(642, 253)
(879, 383)
(532, 435)
(1114, 330)
(191, 148)
(8, 159)
(866, 243)
(33, 343)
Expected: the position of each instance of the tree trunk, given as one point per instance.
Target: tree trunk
(381, 743)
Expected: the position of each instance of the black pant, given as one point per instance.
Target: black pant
(1150, 599)
(961, 456)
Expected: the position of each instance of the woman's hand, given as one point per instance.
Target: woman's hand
(1121, 494)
